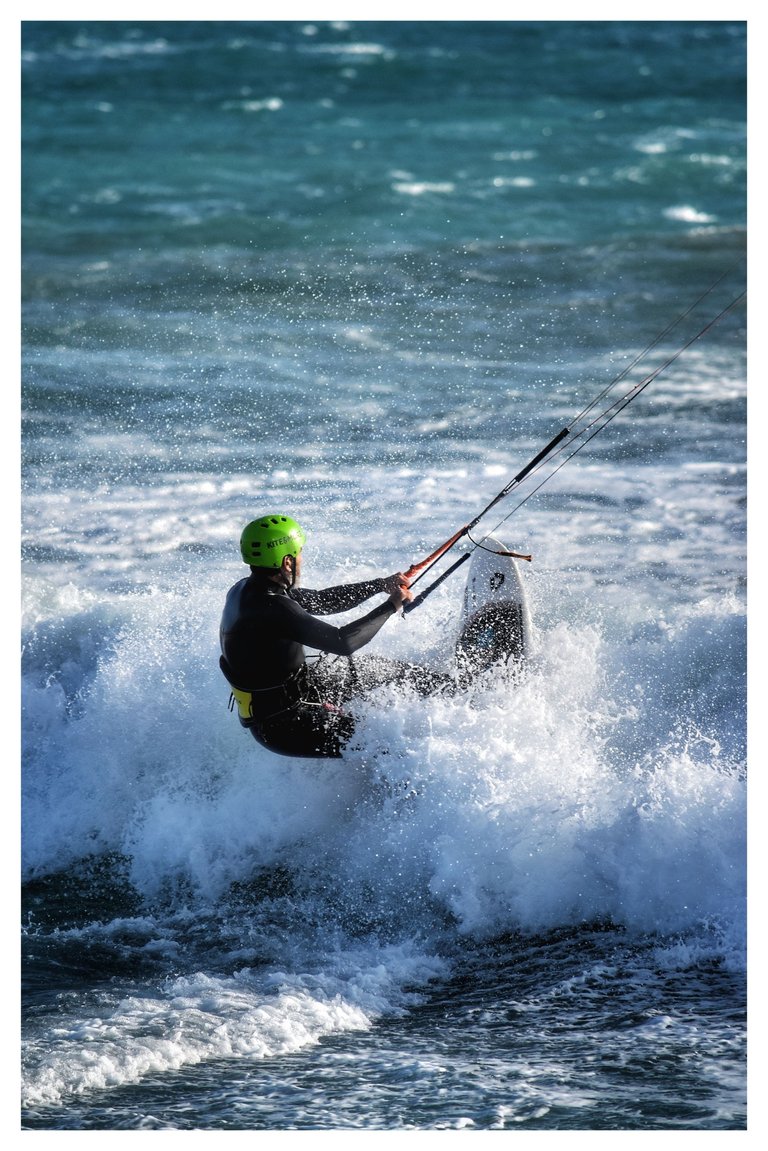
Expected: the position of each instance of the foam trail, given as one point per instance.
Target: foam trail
(200, 1017)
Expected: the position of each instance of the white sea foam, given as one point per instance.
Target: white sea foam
(553, 801)
(200, 1017)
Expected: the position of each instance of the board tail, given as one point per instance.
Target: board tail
(495, 622)
(494, 634)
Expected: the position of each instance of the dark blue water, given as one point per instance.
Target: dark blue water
(362, 273)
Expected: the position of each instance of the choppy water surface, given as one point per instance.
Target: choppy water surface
(363, 272)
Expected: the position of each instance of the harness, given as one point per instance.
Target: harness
(254, 705)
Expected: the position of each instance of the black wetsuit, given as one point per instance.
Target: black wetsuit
(295, 709)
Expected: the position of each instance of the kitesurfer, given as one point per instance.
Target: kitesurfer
(291, 706)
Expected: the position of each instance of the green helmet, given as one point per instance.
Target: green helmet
(266, 542)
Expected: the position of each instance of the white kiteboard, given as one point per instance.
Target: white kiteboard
(495, 625)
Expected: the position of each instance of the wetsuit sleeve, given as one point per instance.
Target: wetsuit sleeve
(305, 629)
(333, 600)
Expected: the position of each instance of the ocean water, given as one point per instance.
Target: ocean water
(362, 272)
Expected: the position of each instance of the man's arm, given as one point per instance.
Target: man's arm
(303, 628)
(333, 600)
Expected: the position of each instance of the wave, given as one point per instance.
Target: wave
(609, 782)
